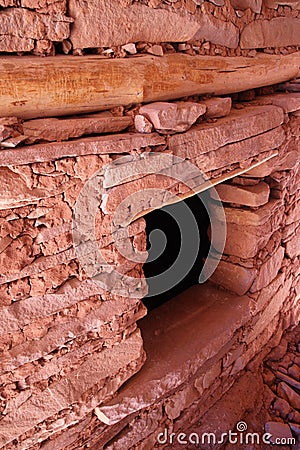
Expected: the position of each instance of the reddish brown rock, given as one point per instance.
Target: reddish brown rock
(113, 144)
(282, 407)
(289, 102)
(278, 430)
(277, 32)
(217, 107)
(53, 129)
(289, 394)
(142, 124)
(294, 372)
(46, 6)
(269, 313)
(254, 5)
(257, 195)
(95, 370)
(293, 245)
(216, 31)
(239, 152)
(161, 375)
(156, 50)
(294, 4)
(268, 271)
(239, 125)
(19, 24)
(172, 117)
(15, 44)
(233, 277)
(144, 24)
(10, 127)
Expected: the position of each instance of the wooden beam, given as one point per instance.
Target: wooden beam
(62, 85)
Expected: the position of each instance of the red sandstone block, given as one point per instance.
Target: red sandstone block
(289, 102)
(277, 32)
(144, 24)
(30, 25)
(254, 5)
(172, 117)
(98, 145)
(238, 152)
(293, 246)
(247, 195)
(268, 271)
(237, 126)
(269, 212)
(270, 311)
(217, 106)
(117, 363)
(52, 129)
(233, 277)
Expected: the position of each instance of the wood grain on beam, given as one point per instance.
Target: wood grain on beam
(63, 85)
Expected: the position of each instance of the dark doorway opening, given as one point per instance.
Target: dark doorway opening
(178, 243)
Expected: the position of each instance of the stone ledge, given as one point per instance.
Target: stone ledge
(176, 348)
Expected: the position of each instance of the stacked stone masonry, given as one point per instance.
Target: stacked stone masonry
(69, 343)
(218, 27)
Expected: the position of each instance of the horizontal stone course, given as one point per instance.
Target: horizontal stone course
(277, 32)
(94, 371)
(268, 271)
(144, 24)
(232, 277)
(238, 126)
(257, 195)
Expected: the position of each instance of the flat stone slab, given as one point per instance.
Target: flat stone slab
(179, 337)
(256, 195)
(52, 129)
(93, 22)
(277, 32)
(217, 107)
(289, 102)
(278, 430)
(239, 125)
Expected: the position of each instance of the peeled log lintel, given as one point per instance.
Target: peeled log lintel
(64, 85)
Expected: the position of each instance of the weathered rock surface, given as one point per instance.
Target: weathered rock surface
(257, 195)
(232, 277)
(277, 32)
(239, 125)
(278, 430)
(288, 102)
(142, 124)
(268, 271)
(53, 129)
(19, 27)
(155, 380)
(89, 146)
(254, 5)
(172, 117)
(294, 4)
(217, 107)
(293, 245)
(144, 24)
(94, 371)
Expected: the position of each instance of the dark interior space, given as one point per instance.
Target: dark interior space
(178, 244)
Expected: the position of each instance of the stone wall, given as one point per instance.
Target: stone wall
(219, 27)
(69, 343)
